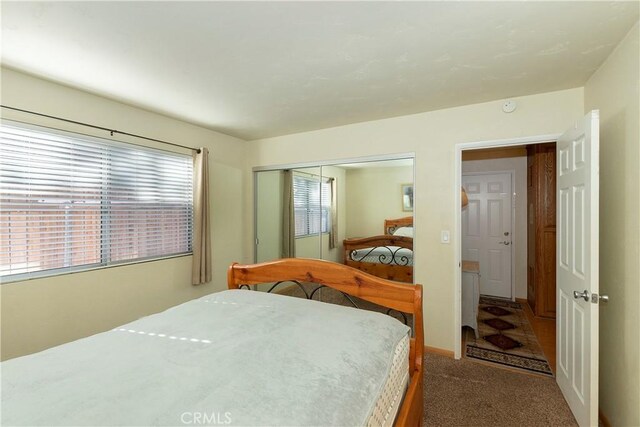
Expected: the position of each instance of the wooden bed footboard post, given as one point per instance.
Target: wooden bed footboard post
(419, 358)
(412, 410)
(231, 282)
(418, 327)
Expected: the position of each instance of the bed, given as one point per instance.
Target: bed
(278, 360)
(389, 255)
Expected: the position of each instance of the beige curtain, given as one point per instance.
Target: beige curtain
(201, 271)
(333, 235)
(288, 249)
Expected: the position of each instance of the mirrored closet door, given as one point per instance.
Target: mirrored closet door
(288, 216)
(313, 212)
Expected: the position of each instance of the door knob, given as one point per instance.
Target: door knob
(595, 298)
(584, 294)
(504, 243)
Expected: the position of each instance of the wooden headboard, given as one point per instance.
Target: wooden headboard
(391, 225)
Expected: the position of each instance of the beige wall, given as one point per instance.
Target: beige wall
(614, 90)
(375, 195)
(432, 136)
(40, 313)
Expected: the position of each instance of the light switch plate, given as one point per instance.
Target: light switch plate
(444, 237)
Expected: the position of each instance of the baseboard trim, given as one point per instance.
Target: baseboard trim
(603, 418)
(439, 351)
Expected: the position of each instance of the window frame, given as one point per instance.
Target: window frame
(104, 262)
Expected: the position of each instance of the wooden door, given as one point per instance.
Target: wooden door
(541, 229)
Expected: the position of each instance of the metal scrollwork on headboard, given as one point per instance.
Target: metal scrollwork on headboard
(392, 229)
(275, 285)
(309, 295)
(390, 256)
(404, 316)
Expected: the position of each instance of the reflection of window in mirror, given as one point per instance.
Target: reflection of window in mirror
(312, 204)
(302, 222)
(309, 212)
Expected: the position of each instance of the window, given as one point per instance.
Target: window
(69, 202)
(312, 205)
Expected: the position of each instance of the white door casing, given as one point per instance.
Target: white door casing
(577, 267)
(487, 230)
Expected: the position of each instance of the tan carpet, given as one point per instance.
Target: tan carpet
(466, 393)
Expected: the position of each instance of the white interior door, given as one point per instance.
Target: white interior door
(486, 230)
(577, 268)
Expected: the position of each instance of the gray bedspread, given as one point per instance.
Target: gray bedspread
(234, 357)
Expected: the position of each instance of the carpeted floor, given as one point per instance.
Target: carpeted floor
(466, 393)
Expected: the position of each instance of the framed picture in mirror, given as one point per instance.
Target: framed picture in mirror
(407, 197)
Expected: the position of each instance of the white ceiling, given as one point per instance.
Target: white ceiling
(258, 69)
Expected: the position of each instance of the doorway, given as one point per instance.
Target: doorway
(508, 235)
(508, 230)
(485, 150)
(576, 263)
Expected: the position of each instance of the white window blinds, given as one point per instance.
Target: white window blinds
(312, 205)
(70, 201)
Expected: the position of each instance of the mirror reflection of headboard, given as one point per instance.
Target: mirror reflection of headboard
(391, 225)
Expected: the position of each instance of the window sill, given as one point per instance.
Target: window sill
(312, 235)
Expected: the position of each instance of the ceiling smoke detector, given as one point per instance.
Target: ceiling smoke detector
(509, 106)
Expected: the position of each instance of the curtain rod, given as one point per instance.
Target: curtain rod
(296, 171)
(111, 131)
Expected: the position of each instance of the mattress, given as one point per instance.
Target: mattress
(388, 402)
(234, 357)
(389, 255)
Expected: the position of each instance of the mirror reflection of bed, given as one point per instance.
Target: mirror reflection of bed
(389, 255)
(352, 213)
